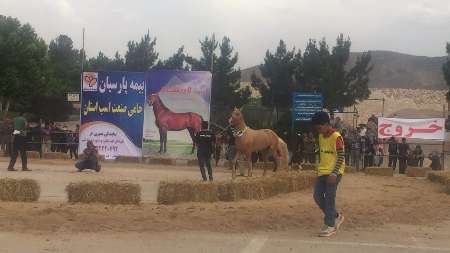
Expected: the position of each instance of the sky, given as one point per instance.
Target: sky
(418, 27)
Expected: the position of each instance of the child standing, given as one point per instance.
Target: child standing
(330, 171)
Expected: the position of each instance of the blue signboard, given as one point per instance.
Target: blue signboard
(305, 104)
(112, 112)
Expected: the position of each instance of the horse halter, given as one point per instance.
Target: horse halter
(239, 133)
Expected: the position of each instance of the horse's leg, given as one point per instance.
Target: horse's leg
(264, 154)
(161, 140)
(250, 164)
(233, 165)
(165, 141)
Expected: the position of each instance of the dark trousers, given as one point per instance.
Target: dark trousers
(393, 161)
(89, 163)
(325, 198)
(73, 151)
(402, 165)
(205, 160)
(18, 146)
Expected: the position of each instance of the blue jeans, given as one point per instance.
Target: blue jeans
(325, 197)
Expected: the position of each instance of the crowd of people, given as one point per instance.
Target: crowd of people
(45, 137)
(363, 149)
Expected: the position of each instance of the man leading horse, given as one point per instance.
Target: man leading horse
(248, 141)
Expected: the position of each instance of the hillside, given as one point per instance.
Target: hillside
(394, 70)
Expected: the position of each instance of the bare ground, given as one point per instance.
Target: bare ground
(367, 202)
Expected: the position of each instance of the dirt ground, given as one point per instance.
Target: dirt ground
(370, 203)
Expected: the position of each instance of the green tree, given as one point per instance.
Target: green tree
(226, 91)
(104, 63)
(446, 70)
(141, 56)
(208, 59)
(279, 80)
(65, 66)
(175, 62)
(23, 62)
(226, 79)
(326, 72)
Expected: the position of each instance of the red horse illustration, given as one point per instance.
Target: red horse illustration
(167, 120)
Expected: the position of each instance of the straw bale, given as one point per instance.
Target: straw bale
(20, 190)
(104, 192)
(128, 159)
(379, 171)
(309, 166)
(350, 169)
(192, 162)
(171, 192)
(416, 171)
(441, 177)
(55, 155)
(33, 155)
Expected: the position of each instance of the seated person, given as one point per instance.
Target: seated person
(90, 161)
(435, 161)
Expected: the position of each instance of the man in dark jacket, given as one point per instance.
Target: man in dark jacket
(403, 152)
(393, 152)
(205, 146)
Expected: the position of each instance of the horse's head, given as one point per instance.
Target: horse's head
(152, 99)
(237, 118)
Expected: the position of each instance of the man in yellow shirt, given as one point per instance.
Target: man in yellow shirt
(329, 172)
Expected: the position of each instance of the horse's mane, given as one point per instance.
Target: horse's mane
(163, 106)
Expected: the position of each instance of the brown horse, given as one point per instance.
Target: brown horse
(167, 120)
(248, 141)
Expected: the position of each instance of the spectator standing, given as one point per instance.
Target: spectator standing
(355, 149)
(379, 155)
(74, 142)
(310, 148)
(403, 152)
(18, 143)
(347, 148)
(393, 152)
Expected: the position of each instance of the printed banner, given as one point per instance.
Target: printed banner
(176, 104)
(112, 112)
(427, 129)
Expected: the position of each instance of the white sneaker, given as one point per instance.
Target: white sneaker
(339, 220)
(327, 231)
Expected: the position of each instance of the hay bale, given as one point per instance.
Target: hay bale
(416, 171)
(55, 155)
(171, 192)
(161, 161)
(379, 171)
(128, 159)
(309, 166)
(20, 190)
(33, 155)
(350, 169)
(192, 162)
(104, 192)
(441, 177)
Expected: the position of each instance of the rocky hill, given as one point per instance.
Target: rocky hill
(394, 70)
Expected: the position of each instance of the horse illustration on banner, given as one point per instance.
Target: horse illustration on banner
(167, 120)
(248, 141)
